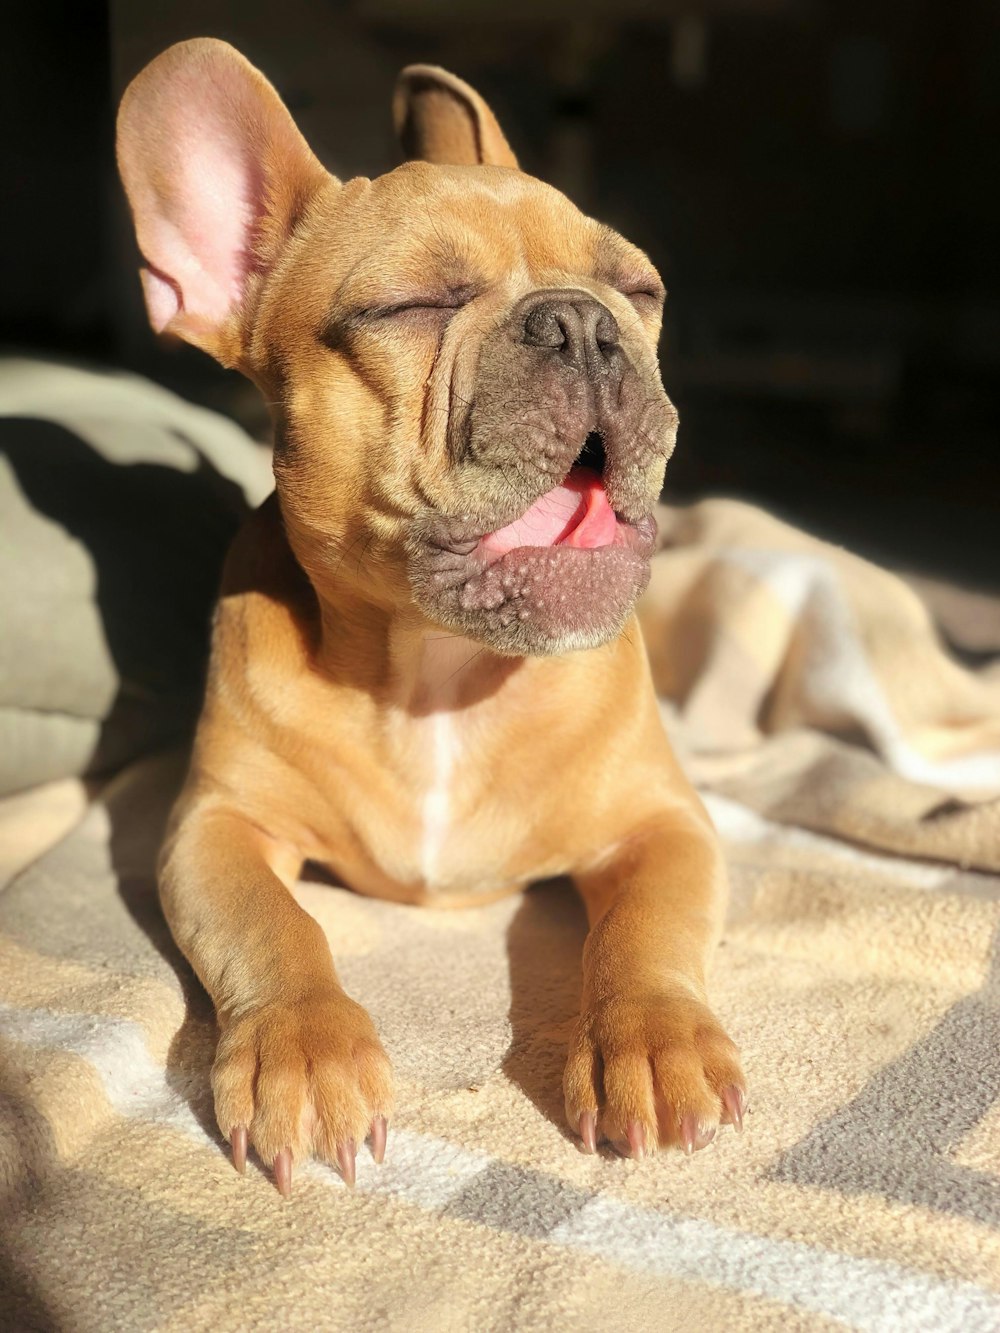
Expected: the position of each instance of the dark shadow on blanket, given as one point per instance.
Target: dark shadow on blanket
(544, 947)
(24, 1306)
(898, 1136)
(156, 536)
(138, 806)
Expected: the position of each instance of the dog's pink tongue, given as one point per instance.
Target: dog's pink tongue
(576, 513)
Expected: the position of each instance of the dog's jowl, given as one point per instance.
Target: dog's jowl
(426, 672)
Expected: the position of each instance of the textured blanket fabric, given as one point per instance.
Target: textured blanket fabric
(853, 769)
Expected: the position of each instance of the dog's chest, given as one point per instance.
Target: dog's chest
(439, 832)
(446, 829)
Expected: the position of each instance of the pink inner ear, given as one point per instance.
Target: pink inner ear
(197, 200)
(163, 301)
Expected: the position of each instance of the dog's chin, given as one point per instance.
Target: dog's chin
(535, 600)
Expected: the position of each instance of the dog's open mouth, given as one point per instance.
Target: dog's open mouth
(577, 514)
(565, 573)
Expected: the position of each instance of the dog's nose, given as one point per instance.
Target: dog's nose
(575, 325)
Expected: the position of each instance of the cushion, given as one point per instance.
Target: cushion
(118, 501)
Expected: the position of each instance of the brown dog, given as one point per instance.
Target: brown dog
(425, 670)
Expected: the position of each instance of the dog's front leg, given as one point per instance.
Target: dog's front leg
(299, 1067)
(649, 1062)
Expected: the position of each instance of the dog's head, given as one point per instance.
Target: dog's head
(461, 365)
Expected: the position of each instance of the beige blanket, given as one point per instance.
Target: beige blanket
(853, 769)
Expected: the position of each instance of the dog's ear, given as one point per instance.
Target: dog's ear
(440, 119)
(217, 176)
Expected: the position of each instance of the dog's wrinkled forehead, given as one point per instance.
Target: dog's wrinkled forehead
(425, 231)
(492, 220)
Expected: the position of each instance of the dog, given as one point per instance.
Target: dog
(426, 673)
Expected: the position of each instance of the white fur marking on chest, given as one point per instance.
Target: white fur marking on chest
(436, 810)
(444, 660)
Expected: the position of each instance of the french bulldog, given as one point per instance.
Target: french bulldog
(426, 672)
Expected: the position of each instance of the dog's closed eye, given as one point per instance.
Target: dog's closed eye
(646, 296)
(436, 305)
(425, 311)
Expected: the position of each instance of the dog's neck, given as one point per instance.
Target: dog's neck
(406, 661)
(445, 672)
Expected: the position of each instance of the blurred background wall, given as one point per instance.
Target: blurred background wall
(816, 180)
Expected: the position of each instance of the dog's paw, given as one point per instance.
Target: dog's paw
(647, 1072)
(301, 1079)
